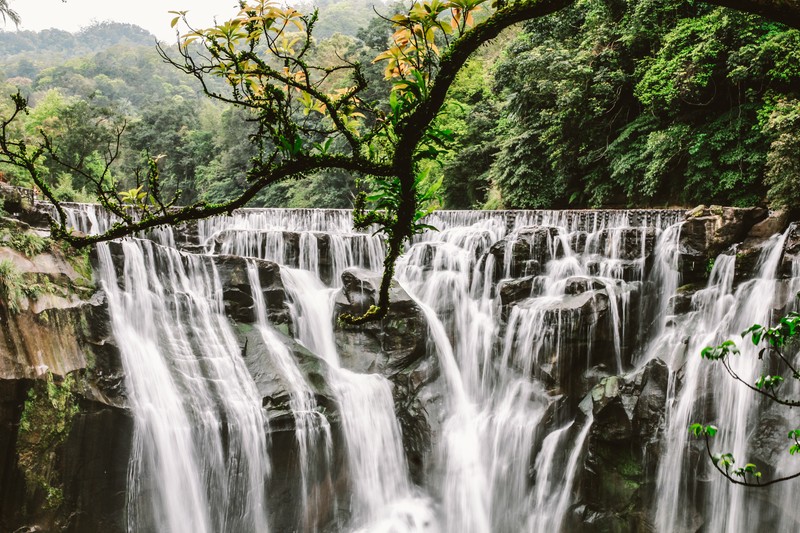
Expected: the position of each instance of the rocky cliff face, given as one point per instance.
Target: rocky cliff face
(66, 430)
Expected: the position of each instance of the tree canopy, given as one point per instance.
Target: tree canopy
(325, 112)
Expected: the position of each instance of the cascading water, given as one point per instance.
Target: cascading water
(520, 307)
(199, 462)
(575, 269)
(312, 429)
(719, 312)
(382, 489)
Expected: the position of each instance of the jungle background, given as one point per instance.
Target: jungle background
(609, 103)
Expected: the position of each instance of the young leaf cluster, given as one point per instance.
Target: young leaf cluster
(775, 342)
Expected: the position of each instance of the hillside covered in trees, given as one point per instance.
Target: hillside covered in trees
(606, 103)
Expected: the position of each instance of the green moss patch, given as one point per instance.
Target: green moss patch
(44, 426)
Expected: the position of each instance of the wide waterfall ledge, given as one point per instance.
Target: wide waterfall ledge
(537, 372)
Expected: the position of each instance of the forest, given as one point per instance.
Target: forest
(603, 104)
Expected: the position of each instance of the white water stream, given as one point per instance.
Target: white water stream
(199, 462)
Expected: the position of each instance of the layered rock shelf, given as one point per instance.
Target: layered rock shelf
(564, 338)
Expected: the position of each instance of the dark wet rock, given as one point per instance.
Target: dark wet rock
(11, 199)
(583, 325)
(329, 485)
(423, 254)
(776, 222)
(62, 471)
(621, 458)
(386, 346)
(237, 291)
(271, 384)
(21, 205)
(95, 461)
(586, 308)
(514, 290)
(412, 414)
(580, 284)
(681, 301)
(627, 243)
(88, 461)
(594, 376)
(12, 495)
(525, 251)
(626, 270)
(326, 481)
(749, 251)
(708, 231)
(396, 347)
(187, 237)
(791, 256)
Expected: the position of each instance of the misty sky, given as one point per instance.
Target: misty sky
(152, 15)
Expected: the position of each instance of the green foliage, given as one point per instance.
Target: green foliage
(649, 103)
(473, 112)
(783, 158)
(725, 461)
(604, 103)
(25, 242)
(11, 283)
(698, 430)
(685, 64)
(526, 180)
(44, 426)
(16, 287)
(715, 353)
(385, 199)
(58, 45)
(778, 336)
(775, 340)
(343, 17)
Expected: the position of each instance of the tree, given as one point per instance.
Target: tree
(306, 121)
(775, 342)
(8, 14)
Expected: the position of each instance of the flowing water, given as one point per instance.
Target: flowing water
(199, 461)
(580, 272)
(718, 312)
(520, 307)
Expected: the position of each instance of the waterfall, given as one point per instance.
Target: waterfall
(586, 266)
(199, 461)
(553, 489)
(523, 312)
(382, 490)
(719, 312)
(312, 429)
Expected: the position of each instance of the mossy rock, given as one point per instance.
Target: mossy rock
(44, 426)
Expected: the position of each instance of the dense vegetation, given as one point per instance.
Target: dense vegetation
(645, 103)
(605, 103)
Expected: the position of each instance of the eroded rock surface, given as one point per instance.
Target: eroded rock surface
(624, 445)
(65, 430)
(708, 231)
